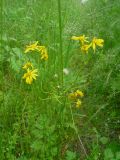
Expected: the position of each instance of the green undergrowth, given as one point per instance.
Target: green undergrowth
(38, 121)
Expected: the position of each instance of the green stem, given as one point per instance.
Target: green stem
(60, 40)
(76, 130)
(2, 43)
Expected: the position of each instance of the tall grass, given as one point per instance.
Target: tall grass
(60, 38)
(38, 121)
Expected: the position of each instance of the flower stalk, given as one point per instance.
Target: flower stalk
(60, 40)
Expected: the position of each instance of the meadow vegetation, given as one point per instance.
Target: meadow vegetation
(60, 80)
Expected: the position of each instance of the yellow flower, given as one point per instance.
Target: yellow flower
(72, 96)
(30, 75)
(44, 54)
(85, 48)
(97, 42)
(79, 93)
(78, 103)
(41, 48)
(76, 94)
(82, 38)
(28, 65)
(75, 38)
(31, 47)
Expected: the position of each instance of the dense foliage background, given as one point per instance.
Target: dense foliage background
(37, 122)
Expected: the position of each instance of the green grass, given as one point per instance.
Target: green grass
(38, 121)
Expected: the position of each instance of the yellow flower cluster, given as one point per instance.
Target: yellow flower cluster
(43, 51)
(86, 45)
(27, 65)
(75, 96)
(36, 47)
(31, 47)
(30, 74)
(82, 39)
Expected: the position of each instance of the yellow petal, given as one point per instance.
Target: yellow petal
(75, 38)
(94, 47)
(78, 103)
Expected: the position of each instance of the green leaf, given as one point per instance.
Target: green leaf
(104, 140)
(54, 151)
(70, 155)
(18, 52)
(118, 155)
(108, 154)
(22, 158)
(37, 145)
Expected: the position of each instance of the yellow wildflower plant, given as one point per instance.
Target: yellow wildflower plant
(76, 94)
(31, 47)
(44, 54)
(78, 103)
(75, 97)
(41, 48)
(82, 38)
(72, 96)
(30, 75)
(27, 65)
(79, 93)
(85, 48)
(97, 42)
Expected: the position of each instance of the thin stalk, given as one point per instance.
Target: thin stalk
(2, 67)
(60, 40)
(76, 130)
(1, 8)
